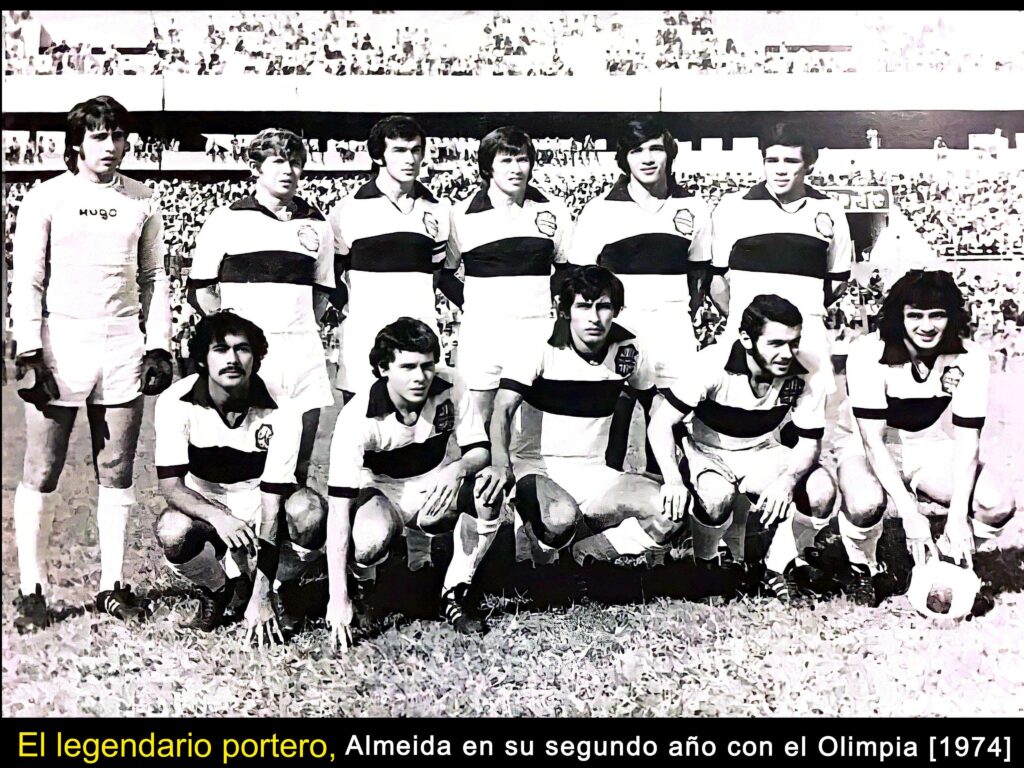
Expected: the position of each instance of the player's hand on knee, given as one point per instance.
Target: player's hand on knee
(157, 371)
(261, 620)
(676, 500)
(776, 501)
(491, 481)
(36, 384)
(235, 533)
(339, 624)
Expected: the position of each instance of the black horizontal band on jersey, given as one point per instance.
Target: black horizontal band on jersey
(342, 492)
(976, 422)
(678, 404)
(278, 489)
(870, 413)
(816, 433)
(267, 557)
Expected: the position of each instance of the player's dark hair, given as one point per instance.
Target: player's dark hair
(636, 132)
(768, 307)
(276, 142)
(406, 334)
(393, 127)
(590, 282)
(216, 327)
(92, 115)
(787, 135)
(507, 140)
(923, 289)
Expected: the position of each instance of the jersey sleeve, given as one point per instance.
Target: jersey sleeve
(970, 397)
(700, 243)
(443, 219)
(643, 377)
(865, 381)
(722, 237)
(153, 276)
(171, 423)
(688, 391)
(337, 221)
(840, 250)
(324, 278)
(453, 253)
(809, 409)
(563, 235)
(28, 281)
(470, 431)
(522, 368)
(352, 436)
(282, 452)
(586, 245)
(208, 253)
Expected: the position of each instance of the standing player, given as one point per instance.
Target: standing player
(389, 238)
(392, 467)
(922, 377)
(656, 237)
(509, 235)
(225, 459)
(739, 394)
(269, 257)
(785, 238)
(574, 380)
(90, 254)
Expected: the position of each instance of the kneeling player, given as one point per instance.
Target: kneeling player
(392, 468)
(225, 458)
(574, 380)
(739, 395)
(922, 377)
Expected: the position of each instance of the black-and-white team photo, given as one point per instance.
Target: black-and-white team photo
(506, 363)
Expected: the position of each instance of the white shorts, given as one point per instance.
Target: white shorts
(96, 362)
(667, 337)
(485, 345)
(586, 481)
(407, 496)
(296, 367)
(246, 504)
(749, 468)
(357, 337)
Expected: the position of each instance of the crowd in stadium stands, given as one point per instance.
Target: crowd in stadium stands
(481, 43)
(997, 307)
(36, 149)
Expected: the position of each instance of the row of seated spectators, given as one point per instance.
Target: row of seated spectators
(541, 43)
(38, 148)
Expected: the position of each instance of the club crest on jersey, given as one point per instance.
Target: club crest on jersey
(444, 417)
(790, 391)
(625, 360)
(263, 435)
(546, 223)
(824, 224)
(683, 221)
(951, 376)
(309, 239)
(430, 224)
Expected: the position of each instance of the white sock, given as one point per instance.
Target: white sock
(112, 508)
(805, 529)
(861, 544)
(782, 551)
(984, 532)
(707, 537)
(33, 521)
(473, 537)
(736, 534)
(204, 569)
(629, 538)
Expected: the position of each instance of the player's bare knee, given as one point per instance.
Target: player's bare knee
(178, 535)
(992, 505)
(864, 505)
(716, 495)
(306, 514)
(819, 490)
(371, 537)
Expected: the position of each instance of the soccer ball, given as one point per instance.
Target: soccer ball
(942, 590)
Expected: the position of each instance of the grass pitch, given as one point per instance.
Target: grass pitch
(657, 657)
